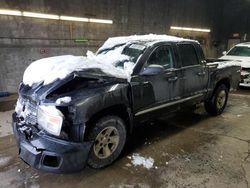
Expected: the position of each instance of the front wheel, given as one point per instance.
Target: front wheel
(217, 103)
(109, 136)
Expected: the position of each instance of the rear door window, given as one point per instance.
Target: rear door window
(188, 55)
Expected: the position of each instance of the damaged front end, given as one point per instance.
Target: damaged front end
(245, 77)
(49, 135)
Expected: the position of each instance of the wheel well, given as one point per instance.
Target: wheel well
(117, 110)
(225, 81)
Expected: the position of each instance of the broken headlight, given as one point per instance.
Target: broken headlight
(50, 119)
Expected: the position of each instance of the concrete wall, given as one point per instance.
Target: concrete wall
(236, 19)
(23, 40)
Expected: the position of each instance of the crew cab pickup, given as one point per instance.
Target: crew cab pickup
(86, 116)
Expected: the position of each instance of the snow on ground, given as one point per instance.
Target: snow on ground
(63, 100)
(225, 64)
(138, 160)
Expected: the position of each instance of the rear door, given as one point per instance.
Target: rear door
(194, 70)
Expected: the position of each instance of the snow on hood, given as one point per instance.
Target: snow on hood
(48, 70)
(113, 41)
(244, 61)
(225, 64)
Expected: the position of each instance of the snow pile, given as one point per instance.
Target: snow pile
(63, 100)
(138, 160)
(50, 69)
(225, 64)
(112, 57)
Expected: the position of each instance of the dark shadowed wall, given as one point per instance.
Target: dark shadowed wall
(23, 40)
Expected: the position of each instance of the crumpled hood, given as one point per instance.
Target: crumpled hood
(88, 78)
(244, 61)
(48, 70)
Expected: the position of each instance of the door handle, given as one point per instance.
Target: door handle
(201, 73)
(173, 79)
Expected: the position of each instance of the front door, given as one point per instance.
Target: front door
(156, 90)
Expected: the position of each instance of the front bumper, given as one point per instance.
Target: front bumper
(47, 153)
(245, 81)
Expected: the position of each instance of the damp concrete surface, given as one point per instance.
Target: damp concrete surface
(189, 149)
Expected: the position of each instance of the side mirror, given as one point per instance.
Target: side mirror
(152, 70)
(224, 53)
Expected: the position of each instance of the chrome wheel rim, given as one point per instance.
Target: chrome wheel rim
(106, 142)
(221, 99)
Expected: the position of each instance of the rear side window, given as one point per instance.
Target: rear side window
(188, 55)
(162, 56)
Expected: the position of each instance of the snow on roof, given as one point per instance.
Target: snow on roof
(113, 41)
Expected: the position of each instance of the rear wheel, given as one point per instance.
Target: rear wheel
(109, 136)
(217, 103)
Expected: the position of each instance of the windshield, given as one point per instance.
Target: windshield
(132, 52)
(240, 51)
(121, 57)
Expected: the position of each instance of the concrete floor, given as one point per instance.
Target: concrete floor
(189, 150)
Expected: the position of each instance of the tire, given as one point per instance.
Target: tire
(109, 135)
(217, 103)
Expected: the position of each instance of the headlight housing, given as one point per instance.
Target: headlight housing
(50, 119)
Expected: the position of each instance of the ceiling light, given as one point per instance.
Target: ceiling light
(10, 12)
(190, 29)
(100, 21)
(53, 16)
(40, 15)
(70, 18)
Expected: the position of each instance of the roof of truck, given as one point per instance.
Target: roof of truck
(149, 39)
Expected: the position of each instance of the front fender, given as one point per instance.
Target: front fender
(109, 96)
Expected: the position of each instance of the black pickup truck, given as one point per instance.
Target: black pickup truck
(93, 125)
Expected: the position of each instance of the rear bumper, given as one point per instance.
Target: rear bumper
(47, 153)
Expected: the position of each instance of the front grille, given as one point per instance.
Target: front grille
(31, 117)
(28, 111)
